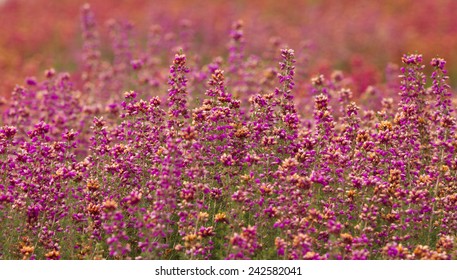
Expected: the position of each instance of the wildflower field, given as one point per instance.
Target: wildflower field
(201, 136)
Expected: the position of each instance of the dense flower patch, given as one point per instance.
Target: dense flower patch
(225, 159)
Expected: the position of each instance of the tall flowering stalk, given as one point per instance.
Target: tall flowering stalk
(411, 118)
(444, 150)
(236, 46)
(286, 79)
(289, 114)
(325, 125)
(236, 59)
(120, 33)
(443, 115)
(177, 93)
(90, 52)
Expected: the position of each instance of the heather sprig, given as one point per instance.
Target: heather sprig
(177, 93)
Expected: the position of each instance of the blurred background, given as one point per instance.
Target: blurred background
(358, 37)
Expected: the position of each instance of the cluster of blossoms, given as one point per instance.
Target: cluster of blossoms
(106, 170)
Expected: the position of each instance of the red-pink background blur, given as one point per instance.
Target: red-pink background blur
(352, 35)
